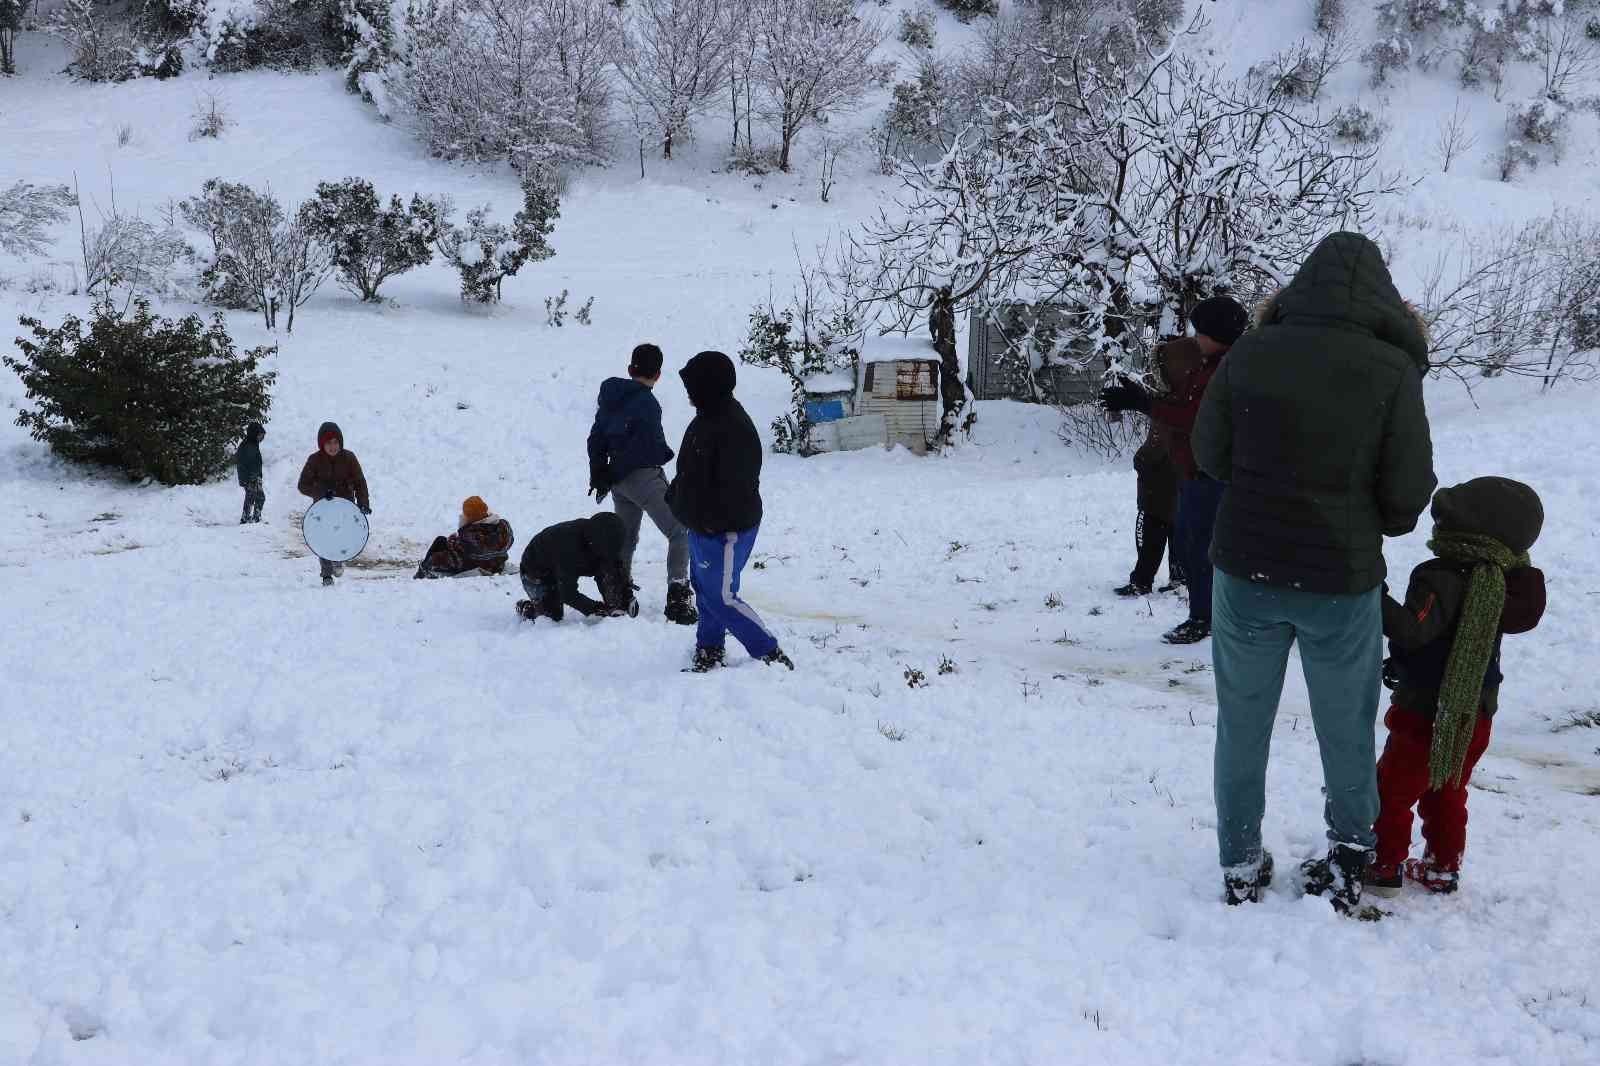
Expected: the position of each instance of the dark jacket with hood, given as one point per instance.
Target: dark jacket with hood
(340, 475)
(1422, 630)
(1315, 420)
(627, 434)
(248, 457)
(583, 547)
(718, 484)
(1187, 370)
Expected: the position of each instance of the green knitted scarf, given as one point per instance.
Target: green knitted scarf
(1462, 689)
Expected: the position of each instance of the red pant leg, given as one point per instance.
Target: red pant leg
(1402, 781)
(1444, 812)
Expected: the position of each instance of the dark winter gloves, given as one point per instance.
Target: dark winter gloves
(599, 482)
(366, 510)
(1125, 395)
(328, 495)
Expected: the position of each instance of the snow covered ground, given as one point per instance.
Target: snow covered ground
(248, 820)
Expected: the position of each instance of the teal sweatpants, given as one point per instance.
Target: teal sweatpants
(1341, 651)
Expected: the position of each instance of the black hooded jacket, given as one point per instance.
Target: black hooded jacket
(1315, 421)
(583, 547)
(718, 484)
(248, 457)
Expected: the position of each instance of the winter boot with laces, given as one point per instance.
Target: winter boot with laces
(1191, 632)
(1340, 876)
(1432, 876)
(707, 660)
(680, 604)
(1246, 882)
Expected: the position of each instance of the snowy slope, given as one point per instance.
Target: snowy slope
(251, 821)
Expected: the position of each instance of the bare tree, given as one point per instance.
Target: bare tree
(674, 60)
(813, 62)
(26, 214)
(12, 15)
(1564, 52)
(832, 148)
(1453, 139)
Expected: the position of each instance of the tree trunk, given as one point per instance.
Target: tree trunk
(952, 390)
(666, 146)
(788, 142)
(733, 83)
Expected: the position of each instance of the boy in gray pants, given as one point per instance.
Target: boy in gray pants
(627, 449)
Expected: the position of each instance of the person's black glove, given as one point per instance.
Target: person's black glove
(599, 482)
(1391, 675)
(1125, 395)
(366, 510)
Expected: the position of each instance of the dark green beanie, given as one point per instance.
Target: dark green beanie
(1497, 507)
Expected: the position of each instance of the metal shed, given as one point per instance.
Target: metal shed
(1067, 381)
(900, 381)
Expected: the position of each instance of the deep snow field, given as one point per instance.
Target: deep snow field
(250, 820)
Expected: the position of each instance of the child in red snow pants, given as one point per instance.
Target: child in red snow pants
(1403, 784)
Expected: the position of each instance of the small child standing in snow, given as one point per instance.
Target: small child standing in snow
(248, 458)
(331, 471)
(1444, 663)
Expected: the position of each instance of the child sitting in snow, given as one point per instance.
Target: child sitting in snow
(480, 544)
(248, 459)
(1444, 668)
(557, 557)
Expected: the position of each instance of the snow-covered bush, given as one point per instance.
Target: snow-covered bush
(555, 311)
(1513, 159)
(967, 10)
(128, 252)
(1359, 124)
(917, 29)
(210, 118)
(1540, 121)
(1518, 301)
(485, 252)
(366, 47)
(1385, 56)
(260, 259)
(1329, 15)
(921, 113)
(371, 242)
(27, 212)
(152, 397)
(524, 80)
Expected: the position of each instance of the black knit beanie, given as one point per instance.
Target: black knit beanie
(1498, 507)
(1221, 318)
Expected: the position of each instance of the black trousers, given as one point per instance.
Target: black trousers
(1151, 538)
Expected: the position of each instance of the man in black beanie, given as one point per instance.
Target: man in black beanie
(1218, 322)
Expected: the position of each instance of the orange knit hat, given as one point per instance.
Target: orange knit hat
(473, 509)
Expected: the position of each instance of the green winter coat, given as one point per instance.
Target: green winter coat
(1315, 420)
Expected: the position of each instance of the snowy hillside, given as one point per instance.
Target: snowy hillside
(252, 821)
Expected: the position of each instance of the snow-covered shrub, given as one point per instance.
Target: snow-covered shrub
(920, 113)
(1359, 124)
(103, 47)
(366, 47)
(210, 118)
(555, 311)
(371, 242)
(1329, 15)
(1542, 122)
(485, 252)
(1513, 159)
(27, 212)
(128, 252)
(525, 80)
(917, 29)
(1385, 56)
(260, 259)
(967, 10)
(152, 397)
(801, 341)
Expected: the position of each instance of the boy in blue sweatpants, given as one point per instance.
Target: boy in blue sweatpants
(716, 494)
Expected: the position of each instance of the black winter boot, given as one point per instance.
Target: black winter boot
(1340, 876)
(1191, 632)
(680, 604)
(707, 660)
(1131, 589)
(775, 657)
(1244, 884)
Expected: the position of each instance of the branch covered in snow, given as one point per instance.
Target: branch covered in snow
(26, 214)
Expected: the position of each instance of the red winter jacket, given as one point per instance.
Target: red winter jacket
(1176, 414)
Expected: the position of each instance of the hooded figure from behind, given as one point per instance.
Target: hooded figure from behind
(559, 555)
(717, 495)
(248, 459)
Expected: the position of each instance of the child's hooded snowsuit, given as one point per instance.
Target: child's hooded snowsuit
(340, 475)
(248, 459)
(1487, 518)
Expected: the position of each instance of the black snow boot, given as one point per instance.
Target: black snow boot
(1191, 632)
(680, 604)
(1341, 875)
(1244, 884)
(707, 660)
(1132, 589)
(775, 657)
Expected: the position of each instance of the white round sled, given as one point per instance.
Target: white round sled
(335, 530)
